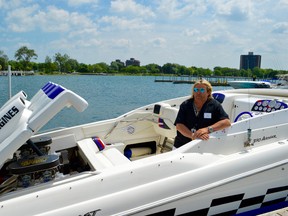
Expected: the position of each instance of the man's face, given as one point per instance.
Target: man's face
(200, 92)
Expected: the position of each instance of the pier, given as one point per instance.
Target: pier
(17, 73)
(215, 80)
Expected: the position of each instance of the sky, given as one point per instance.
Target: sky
(200, 33)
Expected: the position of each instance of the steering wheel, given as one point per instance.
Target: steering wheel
(243, 113)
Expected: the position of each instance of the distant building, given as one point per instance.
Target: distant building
(133, 62)
(250, 61)
(120, 62)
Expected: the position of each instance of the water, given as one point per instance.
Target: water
(108, 96)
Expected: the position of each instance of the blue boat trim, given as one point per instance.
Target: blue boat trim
(46, 86)
(219, 97)
(55, 92)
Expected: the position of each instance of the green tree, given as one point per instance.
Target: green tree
(104, 67)
(170, 68)
(83, 68)
(71, 65)
(3, 60)
(131, 69)
(48, 66)
(218, 71)
(153, 68)
(61, 61)
(203, 72)
(14, 65)
(116, 66)
(24, 56)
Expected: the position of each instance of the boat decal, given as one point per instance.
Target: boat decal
(237, 204)
(91, 213)
(260, 139)
(169, 212)
(268, 105)
(52, 90)
(162, 124)
(219, 97)
(99, 143)
(8, 116)
(55, 92)
(130, 129)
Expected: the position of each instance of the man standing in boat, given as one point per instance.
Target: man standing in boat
(200, 115)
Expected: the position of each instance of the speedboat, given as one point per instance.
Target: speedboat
(238, 84)
(126, 165)
(282, 81)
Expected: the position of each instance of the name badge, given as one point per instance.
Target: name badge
(207, 115)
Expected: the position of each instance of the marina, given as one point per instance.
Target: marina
(214, 80)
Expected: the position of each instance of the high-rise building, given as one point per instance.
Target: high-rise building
(133, 62)
(250, 61)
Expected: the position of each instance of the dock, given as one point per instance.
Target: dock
(17, 73)
(215, 81)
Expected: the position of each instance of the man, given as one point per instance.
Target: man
(199, 115)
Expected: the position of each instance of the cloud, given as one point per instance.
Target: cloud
(121, 43)
(9, 4)
(81, 2)
(130, 6)
(158, 42)
(233, 10)
(21, 19)
(176, 9)
(125, 24)
(191, 32)
(281, 28)
(284, 2)
(52, 19)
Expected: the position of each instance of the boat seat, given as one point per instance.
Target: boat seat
(165, 115)
(97, 159)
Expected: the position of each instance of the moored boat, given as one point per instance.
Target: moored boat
(282, 81)
(126, 166)
(239, 84)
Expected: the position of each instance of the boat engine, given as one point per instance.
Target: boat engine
(32, 164)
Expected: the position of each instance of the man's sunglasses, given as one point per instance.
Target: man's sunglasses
(202, 90)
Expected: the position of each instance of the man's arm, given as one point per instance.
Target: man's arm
(203, 133)
(184, 130)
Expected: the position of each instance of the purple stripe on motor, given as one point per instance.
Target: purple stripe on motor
(49, 88)
(46, 86)
(55, 92)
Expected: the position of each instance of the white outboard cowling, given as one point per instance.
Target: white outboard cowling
(20, 118)
(11, 116)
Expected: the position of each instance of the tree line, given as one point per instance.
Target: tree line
(64, 64)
